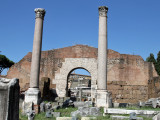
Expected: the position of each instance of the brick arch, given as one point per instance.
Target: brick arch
(69, 64)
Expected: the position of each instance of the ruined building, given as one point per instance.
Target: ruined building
(129, 77)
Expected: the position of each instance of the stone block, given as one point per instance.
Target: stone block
(9, 99)
(56, 114)
(104, 99)
(79, 104)
(124, 111)
(115, 105)
(32, 95)
(54, 103)
(124, 118)
(88, 118)
(94, 111)
(156, 117)
(86, 111)
(42, 107)
(75, 113)
(64, 118)
(48, 114)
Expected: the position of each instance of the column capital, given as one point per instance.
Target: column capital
(40, 12)
(103, 11)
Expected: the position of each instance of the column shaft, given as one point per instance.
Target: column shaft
(102, 49)
(36, 52)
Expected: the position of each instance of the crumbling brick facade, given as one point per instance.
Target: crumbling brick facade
(154, 87)
(127, 78)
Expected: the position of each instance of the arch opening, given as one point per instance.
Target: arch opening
(79, 84)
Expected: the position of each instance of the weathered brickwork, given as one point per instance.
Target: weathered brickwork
(128, 75)
(123, 93)
(154, 87)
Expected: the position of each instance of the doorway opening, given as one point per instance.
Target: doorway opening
(79, 84)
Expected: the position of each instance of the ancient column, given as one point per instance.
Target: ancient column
(36, 52)
(103, 96)
(33, 93)
(102, 49)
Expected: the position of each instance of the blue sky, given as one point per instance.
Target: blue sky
(133, 25)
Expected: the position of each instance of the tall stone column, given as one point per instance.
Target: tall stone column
(102, 49)
(103, 96)
(33, 93)
(37, 45)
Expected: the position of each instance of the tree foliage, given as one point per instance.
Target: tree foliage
(151, 59)
(156, 62)
(5, 63)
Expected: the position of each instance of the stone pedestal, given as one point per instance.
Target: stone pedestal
(32, 95)
(104, 99)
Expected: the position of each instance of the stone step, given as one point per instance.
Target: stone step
(70, 118)
(125, 111)
(124, 118)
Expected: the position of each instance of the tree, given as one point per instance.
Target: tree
(5, 63)
(158, 63)
(151, 59)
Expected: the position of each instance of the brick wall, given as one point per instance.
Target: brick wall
(154, 87)
(128, 75)
(123, 93)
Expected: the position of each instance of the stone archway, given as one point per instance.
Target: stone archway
(89, 64)
(73, 82)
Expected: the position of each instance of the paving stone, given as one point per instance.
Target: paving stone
(79, 104)
(124, 118)
(48, 114)
(88, 118)
(56, 114)
(86, 111)
(124, 111)
(64, 118)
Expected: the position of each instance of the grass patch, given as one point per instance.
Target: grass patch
(145, 118)
(107, 117)
(66, 112)
(22, 117)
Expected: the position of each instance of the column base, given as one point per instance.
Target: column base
(32, 98)
(103, 99)
(32, 95)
